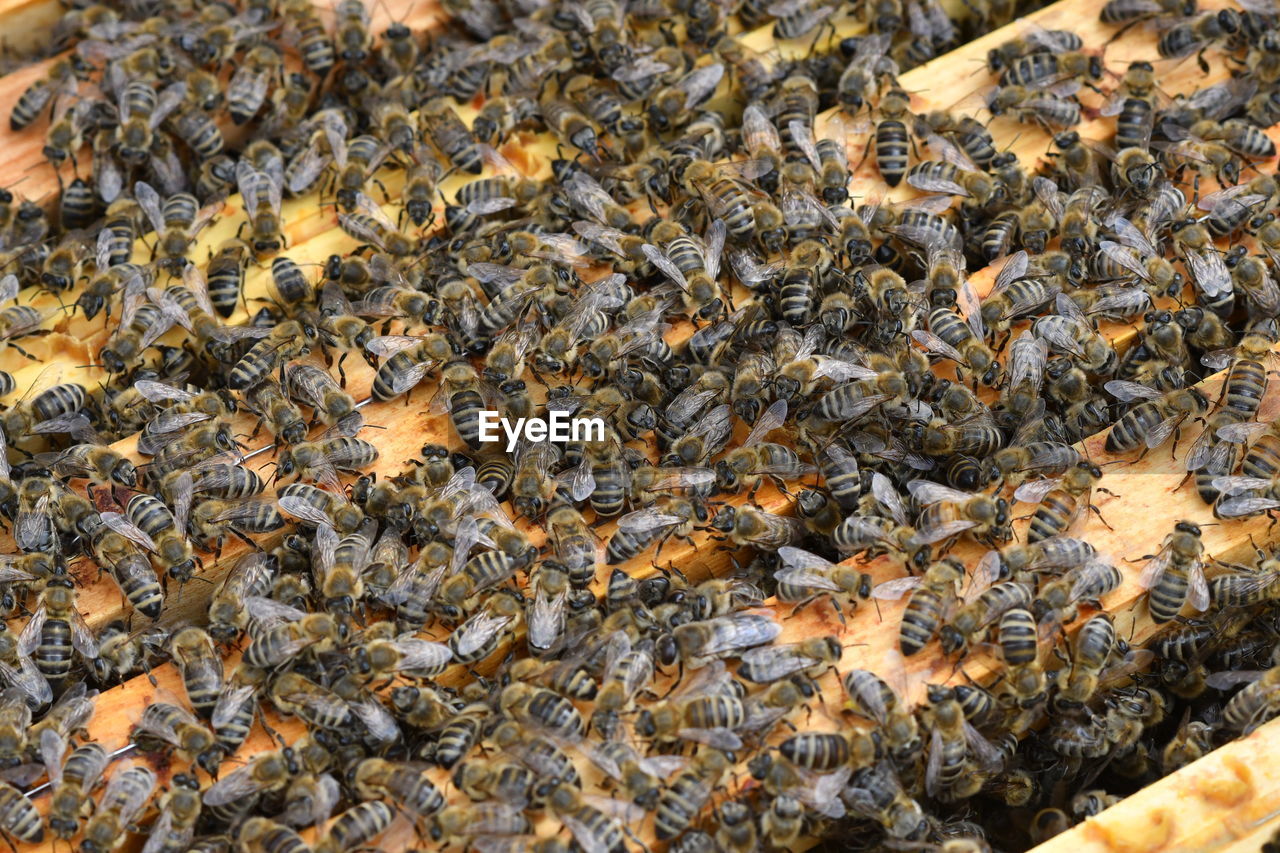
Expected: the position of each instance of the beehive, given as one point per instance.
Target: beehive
(1224, 798)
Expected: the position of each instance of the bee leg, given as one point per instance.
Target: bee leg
(24, 352)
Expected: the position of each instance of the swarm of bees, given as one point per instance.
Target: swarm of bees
(441, 655)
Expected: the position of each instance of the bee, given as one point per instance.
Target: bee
(262, 192)
(311, 504)
(1035, 39)
(451, 136)
(958, 754)
(355, 827)
(1250, 707)
(1061, 501)
(73, 781)
(1152, 421)
(982, 608)
(180, 809)
(201, 668)
(945, 176)
(1090, 579)
(807, 577)
(688, 792)
(369, 223)
(127, 794)
(406, 785)
(41, 91)
(866, 67)
(164, 725)
(176, 220)
(121, 653)
(18, 815)
(930, 595)
(488, 818)
(876, 793)
(1071, 333)
(247, 89)
(1196, 34)
(956, 338)
(1034, 106)
(1175, 575)
(56, 632)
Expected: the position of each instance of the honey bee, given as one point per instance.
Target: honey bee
(73, 782)
(1175, 575)
(930, 595)
(1152, 421)
(128, 791)
(808, 576)
(177, 221)
(57, 632)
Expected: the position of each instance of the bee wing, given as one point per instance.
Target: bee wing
(1160, 433)
(1129, 391)
(480, 629)
(936, 345)
(1028, 356)
(641, 68)
(986, 572)
(719, 738)
(378, 721)
(1210, 272)
(1207, 450)
(1155, 569)
(230, 701)
(1034, 491)
(1132, 236)
(892, 590)
(53, 749)
(933, 767)
(267, 612)
(9, 286)
(929, 492)
(713, 248)
(663, 263)
(935, 184)
(545, 621)
(931, 535)
(802, 135)
(28, 679)
(127, 529)
(1241, 433)
(1236, 485)
(700, 83)
(749, 270)
(758, 132)
(149, 200)
(983, 750)
(236, 785)
(773, 418)
(31, 527)
(1240, 507)
(840, 370)
(807, 578)
(644, 520)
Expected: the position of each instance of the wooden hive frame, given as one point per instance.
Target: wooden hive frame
(313, 235)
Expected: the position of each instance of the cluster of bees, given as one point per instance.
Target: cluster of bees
(452, 646)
